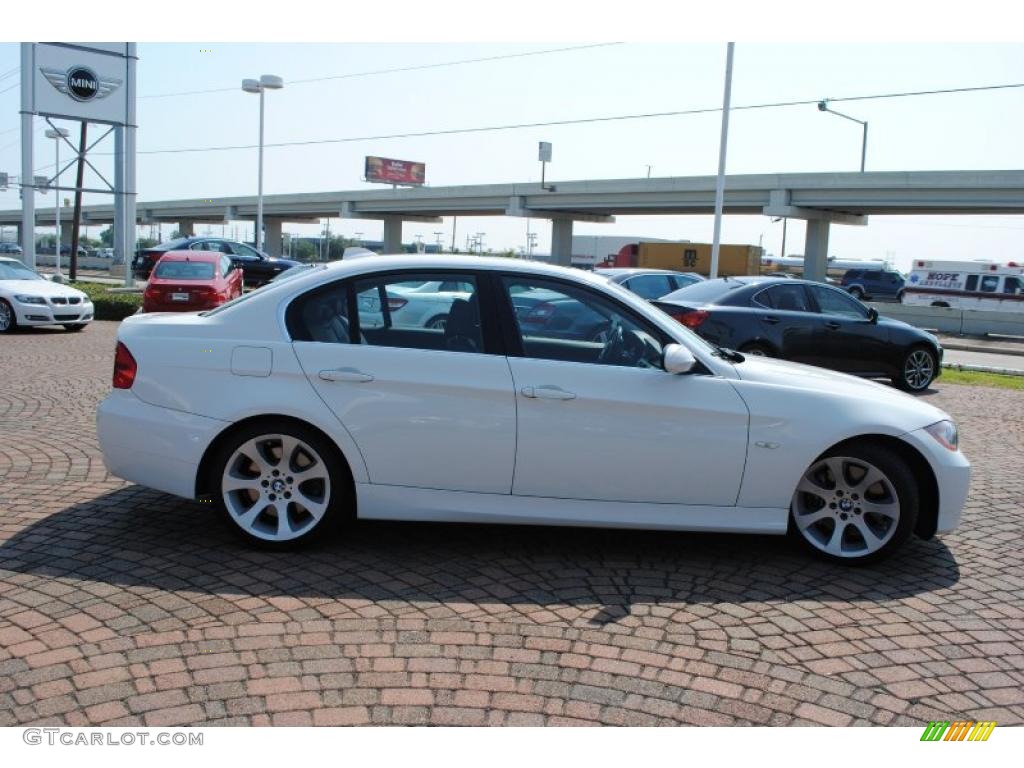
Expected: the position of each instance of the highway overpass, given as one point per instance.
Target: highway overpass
(819, 198)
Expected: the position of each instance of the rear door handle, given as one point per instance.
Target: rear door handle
(548, 392)
(832, 325)
(345, 374)
(770, 319)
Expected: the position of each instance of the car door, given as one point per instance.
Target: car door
(256, 270)
(848, 339)
(601, 420)
(427, 407)
(785, 318)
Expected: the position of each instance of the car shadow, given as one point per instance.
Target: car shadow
(138, 538)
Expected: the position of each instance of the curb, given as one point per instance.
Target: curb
(984, 369)
(962, 347)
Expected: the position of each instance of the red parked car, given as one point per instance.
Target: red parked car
(190, 281)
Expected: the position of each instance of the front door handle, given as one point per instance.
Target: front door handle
(345, 374)
(832, 325)
(770, 319)
(548, 392)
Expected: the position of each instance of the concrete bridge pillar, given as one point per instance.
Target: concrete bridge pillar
(273, 243)
(816, 250)
(392, 234)
(561, 242)
(187, 228)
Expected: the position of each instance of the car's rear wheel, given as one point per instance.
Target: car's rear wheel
(917, 371)
(281, 486)
(437, 323)
(856, 504)
(760, 350)
(8, 320)
(857, 292)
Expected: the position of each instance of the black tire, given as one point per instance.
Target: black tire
(940, 304)
(901, 484)
(899, 297)
(437, 323)
(74, 326)
(10, 319)
(918, 369)
(338, 494)
(857, 292)
(757, 349)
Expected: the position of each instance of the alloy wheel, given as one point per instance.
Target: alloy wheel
(846, 507)
(919, 370)
(5, 316)
(276, 487)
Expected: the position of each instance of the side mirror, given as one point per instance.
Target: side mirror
(872, 315)
(678, 359)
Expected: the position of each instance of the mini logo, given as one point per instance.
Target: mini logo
(80, 83)
(960, 730)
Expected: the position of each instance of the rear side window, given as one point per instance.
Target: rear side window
(972, 282)
(649, 286)
(706, 291)
(989, 283)
(787, 298)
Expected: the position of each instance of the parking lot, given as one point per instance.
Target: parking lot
(120, 605)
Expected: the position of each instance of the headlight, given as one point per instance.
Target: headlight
(30, 299)
(945, 433)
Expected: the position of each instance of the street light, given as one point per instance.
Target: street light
(824, 107)
(272, 82)
(57, 134)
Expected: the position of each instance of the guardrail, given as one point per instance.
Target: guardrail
(974, 322)
(84, 262)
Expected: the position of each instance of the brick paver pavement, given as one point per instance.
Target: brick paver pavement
(121, 605)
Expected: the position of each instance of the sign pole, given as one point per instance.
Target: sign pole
(28, 191)
(75, 225)
(723, 144)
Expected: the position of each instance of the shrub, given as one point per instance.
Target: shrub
(110, 306)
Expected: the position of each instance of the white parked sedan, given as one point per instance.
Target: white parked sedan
(27, 298)
(292, 417)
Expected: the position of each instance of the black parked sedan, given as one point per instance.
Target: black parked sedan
(257, 268)
(806, 322)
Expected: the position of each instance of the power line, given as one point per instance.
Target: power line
(576, 121)
(410, 68)
(10, 72)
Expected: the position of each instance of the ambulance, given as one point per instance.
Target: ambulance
(966, 285)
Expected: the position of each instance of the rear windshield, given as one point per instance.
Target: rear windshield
(185, 270)
(705, 291)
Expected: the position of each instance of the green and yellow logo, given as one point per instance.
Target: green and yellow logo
(959, 730)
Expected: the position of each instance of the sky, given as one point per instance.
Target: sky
(967, 131)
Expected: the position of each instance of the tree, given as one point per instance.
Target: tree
(303, 250)
(107, 237)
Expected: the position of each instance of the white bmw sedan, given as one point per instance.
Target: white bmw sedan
(27, 298)
(288, 415)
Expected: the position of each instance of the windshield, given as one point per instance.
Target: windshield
(705, 291)
(185, 270)
(15, 270)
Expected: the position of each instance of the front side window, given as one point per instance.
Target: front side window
(556, 321)
(649, 286)
(242, 251)
(446, 318)
(989, 283)
(1013, 286)
(833, 302)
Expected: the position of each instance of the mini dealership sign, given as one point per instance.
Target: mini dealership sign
(78, 83)
(387, 171)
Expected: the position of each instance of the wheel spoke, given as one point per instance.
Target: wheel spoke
(872, 475)
(835, 543)
(314, 507)
(888, 509)
(808, 485)
(252, 451)
(872, 541)
(237, 483)
(284, 523)
(835, 465)
(288, 447)
(313, 472)
(248, 518)
(806, 521)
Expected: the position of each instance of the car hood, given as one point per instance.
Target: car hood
(40, 288)
(901, 410)
(278, 261)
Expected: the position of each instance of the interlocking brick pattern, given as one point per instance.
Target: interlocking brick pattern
(120, 605)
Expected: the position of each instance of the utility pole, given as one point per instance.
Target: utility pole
(722, 145)
(75, 225)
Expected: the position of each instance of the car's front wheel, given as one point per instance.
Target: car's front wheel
(281, 486)
(760, 350)
(918, 370)
(8, 320)
(856, 504)
(857, 292)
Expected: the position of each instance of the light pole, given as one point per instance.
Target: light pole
(438, 235)
(272, 82)
(57, 134)
(824, 107)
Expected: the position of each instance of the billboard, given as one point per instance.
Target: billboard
(78, 84)
(388, 171)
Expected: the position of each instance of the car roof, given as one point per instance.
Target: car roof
(427, 262)
(203, 256)
(634, 271)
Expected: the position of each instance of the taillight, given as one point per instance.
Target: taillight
(395, 304)
(540, 313)
(125, 367)
(693, 319)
